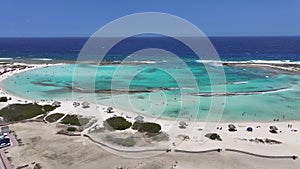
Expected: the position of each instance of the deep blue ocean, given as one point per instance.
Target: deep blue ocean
(229, 48)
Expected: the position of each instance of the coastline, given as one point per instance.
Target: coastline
(42, 65)
(150, 85)
(36, 66)
(30, 67)
(196, 142)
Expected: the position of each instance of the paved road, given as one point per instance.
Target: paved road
(4, 163)
(13, 140)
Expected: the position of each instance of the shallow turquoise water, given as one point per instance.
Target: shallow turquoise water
(165, 100)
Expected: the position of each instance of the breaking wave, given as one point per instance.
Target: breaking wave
(251, 61)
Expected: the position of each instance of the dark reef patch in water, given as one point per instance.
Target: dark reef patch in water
(45, 84)
(210, 94)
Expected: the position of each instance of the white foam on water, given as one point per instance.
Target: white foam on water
(6, 58)
(241, 82)
(41, 59)
(145, 61)
(252, 61)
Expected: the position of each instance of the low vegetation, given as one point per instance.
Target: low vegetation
(213, 136)
(71, 120)
(86, 122)
(3, 99)
(117, 123)
(147, 127)
(18, 112)
(266, 140)
(71, 129)
(54, 117)
(48, 108)
(74, 120)
(126, 142)
(37, 166)
(160, 137)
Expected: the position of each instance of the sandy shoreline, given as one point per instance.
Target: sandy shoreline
(234, 140)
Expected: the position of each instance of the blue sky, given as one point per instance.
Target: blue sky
(60, 18)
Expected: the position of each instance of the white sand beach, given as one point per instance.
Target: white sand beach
(52, 151)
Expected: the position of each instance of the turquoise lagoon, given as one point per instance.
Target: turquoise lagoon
(257, 94)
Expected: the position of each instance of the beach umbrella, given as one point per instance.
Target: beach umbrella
(273, 128)
(249, 129)
(85, 104)
(109, 110)
(231, 127)
(182, 124)
(56, 104)
(139, 118)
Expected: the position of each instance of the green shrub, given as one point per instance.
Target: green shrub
(54, 117)
(117, 123)
(84, 121)
(213, 136)
(3, 99)
(146, 127)
(18, 112)
(71, 120)
(48, 108)
(71, 129)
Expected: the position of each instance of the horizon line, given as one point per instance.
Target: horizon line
(221, 36)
